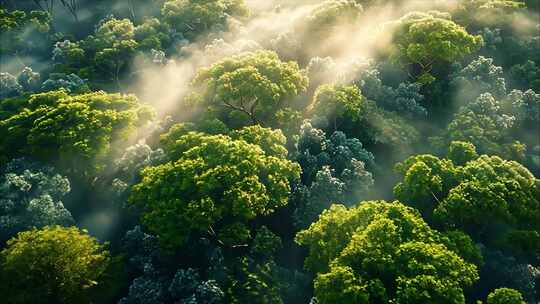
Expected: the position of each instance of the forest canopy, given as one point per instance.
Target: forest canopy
(270, 152)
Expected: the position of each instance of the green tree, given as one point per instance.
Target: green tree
(460, 152)
(482, 122)
(114, 45)
(424, 40)
(193, 17)
(152, 34)
(51, 265)
(383, 252)
(212, 184)
(22, 32)
(326, 20)
(493, 200)
(476, 14)
(340, 105)
(252, 88)
(363, 120)
(76, 132)
(505, 296)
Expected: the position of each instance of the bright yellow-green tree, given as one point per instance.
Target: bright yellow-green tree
(384, 252)
(77, 132)
(51, 265)
(424, 40)
(214, 185)
(252, 88)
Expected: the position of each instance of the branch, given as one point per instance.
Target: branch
(241, 109)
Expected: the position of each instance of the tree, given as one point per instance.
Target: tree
(31, 196)
(479, 76)
(52, 264)
(406, 99)
(383, 252)
(505, 296)
(152, 34)
(75, 132)
(23, 33)
(193, 17)
(493, 200)
(9, 86)
(212, 184)
(526, 76)
(334, 169)
(114, 45)
(129, 166)
(476, 14)
(525, 106)
(502, 270)
(330, 14)
(69, 53)
(272, 142)
(424, 40)
(340, 105)
(343, 108)
(483, 122)
(498, 126)
(325, 20)
(71, 83)
(251, 88)
(29, 80)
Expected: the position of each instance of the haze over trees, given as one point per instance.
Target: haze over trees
(270, 152)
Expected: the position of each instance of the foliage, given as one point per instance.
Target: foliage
(147, 288)
(9, 86)
(76, 132)
(359, 118)
(406, 99)
(31, 196)
(501, 270)
(212, 181)
(492, 199)
(322, 21)
(330, 14)
(193, 17)
(268, 114)
(481, 13)
(480, 76)
(71, 82)
(385, 252)
(506, 296)
(338, 104)
(131, 163)
(19, 28)
(482, 122)
(252, 88)
(525, 106)
(333, 170)
(51, 264)
(526, 76)
(152, 34)
(425, 40)
(497, 126)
